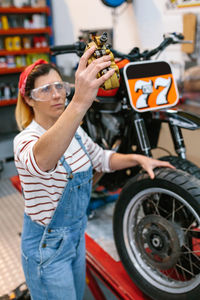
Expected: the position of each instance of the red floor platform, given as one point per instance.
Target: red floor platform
(110, 272)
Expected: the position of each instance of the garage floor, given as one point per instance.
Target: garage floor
(11, 216)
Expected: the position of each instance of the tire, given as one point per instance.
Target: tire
(156, 227)
(183, 164)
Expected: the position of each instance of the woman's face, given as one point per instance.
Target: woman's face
(47, 112)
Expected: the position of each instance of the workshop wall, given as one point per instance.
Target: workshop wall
(141, 23)
(78, 15)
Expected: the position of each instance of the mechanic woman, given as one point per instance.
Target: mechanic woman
(54, 158)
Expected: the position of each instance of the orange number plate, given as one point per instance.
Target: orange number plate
(151, 85)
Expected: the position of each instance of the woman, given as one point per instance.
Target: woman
(54, 158)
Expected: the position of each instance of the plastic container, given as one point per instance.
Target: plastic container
(3, 63)
(16, 42)
(26, 41)
(6, 92)
(10, 61)
(4, 22)
(8, 43)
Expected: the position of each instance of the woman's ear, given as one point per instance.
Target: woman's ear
(29, 101)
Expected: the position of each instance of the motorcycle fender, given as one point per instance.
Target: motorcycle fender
(178, 118)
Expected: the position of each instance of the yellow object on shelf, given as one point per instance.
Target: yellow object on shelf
(4, 22)
(16, 42)
(8, 44)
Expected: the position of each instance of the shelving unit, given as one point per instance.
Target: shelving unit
(13, 60)
(46, 31)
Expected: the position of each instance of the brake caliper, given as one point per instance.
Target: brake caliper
(102, 49)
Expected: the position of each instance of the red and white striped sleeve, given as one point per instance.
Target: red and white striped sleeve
(23, 152)
(100, 157)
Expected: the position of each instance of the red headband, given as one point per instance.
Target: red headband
(24, 75)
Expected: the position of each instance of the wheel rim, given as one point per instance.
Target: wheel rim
(161, 233)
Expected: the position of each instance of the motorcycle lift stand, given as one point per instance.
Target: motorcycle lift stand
(102, 260)
(110, 272)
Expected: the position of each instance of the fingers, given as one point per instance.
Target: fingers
(88, 53)
(151, 174)
(91, 71)
(97, 66)
(149, 170)
(95, 63)
(84, 58)
(106, 76)
(154, 163)
(166, 164)
(159, 163)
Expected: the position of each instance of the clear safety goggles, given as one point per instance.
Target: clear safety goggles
(46, 92)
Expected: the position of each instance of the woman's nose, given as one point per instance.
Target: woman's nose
(55, 93)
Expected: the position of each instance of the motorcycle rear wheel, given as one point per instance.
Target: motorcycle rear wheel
(156, 227)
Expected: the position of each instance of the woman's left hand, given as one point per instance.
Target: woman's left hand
(148, 164)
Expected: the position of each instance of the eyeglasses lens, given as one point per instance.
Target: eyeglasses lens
(45, 93)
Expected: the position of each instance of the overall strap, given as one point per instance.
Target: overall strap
(63, 161)
(65, 165)
(77, 136)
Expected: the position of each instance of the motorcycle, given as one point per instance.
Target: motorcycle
(156, 223)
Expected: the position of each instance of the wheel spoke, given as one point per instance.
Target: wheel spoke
(197, 257)
(192, 252)
(193, 264)
(190, 262)
(177, 273)
(191, 230)
(155, 205)
(175, 211)
(184, 270)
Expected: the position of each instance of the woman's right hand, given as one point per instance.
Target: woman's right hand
(86, 81)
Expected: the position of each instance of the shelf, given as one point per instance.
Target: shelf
(24, 10)
(15, 31)
(11, 70)
(25, 51)
(8, 102)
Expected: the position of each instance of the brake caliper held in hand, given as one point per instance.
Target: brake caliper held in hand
(102, 49)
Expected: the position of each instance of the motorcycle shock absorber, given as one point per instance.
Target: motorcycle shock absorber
(178, 140)
(142, 136)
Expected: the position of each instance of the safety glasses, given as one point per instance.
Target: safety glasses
(46, 92)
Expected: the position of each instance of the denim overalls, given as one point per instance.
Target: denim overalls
(53, 257)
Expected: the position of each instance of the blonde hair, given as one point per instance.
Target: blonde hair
(23, 113)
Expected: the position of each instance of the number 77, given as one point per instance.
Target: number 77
(147, 89)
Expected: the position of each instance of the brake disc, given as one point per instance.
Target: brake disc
(158, 242)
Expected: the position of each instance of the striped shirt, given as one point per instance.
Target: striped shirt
(42, 190)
